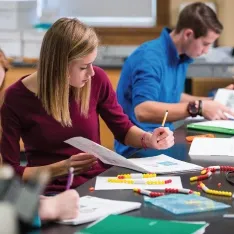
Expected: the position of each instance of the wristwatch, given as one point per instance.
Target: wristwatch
(195, 108)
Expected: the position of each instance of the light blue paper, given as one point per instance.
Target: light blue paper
(185, 204)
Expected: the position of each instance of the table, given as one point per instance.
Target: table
(217, 223)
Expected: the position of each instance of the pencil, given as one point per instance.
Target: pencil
(165, 118)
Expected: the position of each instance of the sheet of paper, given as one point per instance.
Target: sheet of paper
(93, 208)
(163, 164)
(103, 184)
(229, 124)
(212, 147)
(105, 155)
(226, 97)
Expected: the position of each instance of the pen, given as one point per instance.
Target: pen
(164, 119)
(70, 178)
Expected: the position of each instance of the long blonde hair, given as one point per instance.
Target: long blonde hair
(66, 40)
(6, 65)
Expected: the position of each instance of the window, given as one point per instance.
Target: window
(102, 13)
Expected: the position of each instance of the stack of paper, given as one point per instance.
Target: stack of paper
(161, 164)
(215, 147)
(93, 208)
(127, 224)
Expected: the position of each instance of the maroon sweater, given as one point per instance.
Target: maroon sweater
(22, 115)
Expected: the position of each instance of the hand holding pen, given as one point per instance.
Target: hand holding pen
(162, 137)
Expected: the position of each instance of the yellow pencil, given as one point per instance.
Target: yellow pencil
(164, 119)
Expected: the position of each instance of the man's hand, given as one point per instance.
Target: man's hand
(214, 110)
(231, 86)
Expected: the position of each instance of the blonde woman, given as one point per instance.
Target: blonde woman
(63, 99)
(50, 208)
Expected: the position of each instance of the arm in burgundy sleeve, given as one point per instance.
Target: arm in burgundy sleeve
(11, 131)
(110, 110)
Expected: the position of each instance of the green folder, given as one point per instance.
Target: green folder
(116, 224)
(210, 128)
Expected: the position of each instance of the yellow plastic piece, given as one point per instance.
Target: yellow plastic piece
(197, 193)
(129, 176)
(203, 172)
(149, 175)
(194, 178)
(128, 181)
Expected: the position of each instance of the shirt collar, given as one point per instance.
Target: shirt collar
(171, 51)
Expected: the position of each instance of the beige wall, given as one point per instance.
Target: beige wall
(225, 13)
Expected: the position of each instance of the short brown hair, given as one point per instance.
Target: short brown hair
(68, 39)
(200, 18)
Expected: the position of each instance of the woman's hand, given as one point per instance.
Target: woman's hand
(161, 138)
(62, 206)
(80, 162)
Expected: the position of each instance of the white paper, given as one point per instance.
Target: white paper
(212, 147)
(161, 164)
(103, 184)
(93, 208)
(198, 117)
(226, 97)
(105, 155)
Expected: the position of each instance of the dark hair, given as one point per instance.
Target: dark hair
(200, 18)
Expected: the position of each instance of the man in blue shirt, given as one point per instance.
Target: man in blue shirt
(153, 76)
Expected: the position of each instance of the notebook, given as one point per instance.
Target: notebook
(161, 164)
(214, 147)
(220, 126)
(93, 208)
(115, 224)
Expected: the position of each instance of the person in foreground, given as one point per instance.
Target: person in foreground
(53, 208)
(153, 76)
(57, 208)
(64, 99)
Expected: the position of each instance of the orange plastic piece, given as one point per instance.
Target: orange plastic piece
(190, 138)
(91, 189)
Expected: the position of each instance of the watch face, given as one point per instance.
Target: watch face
(192, 109)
